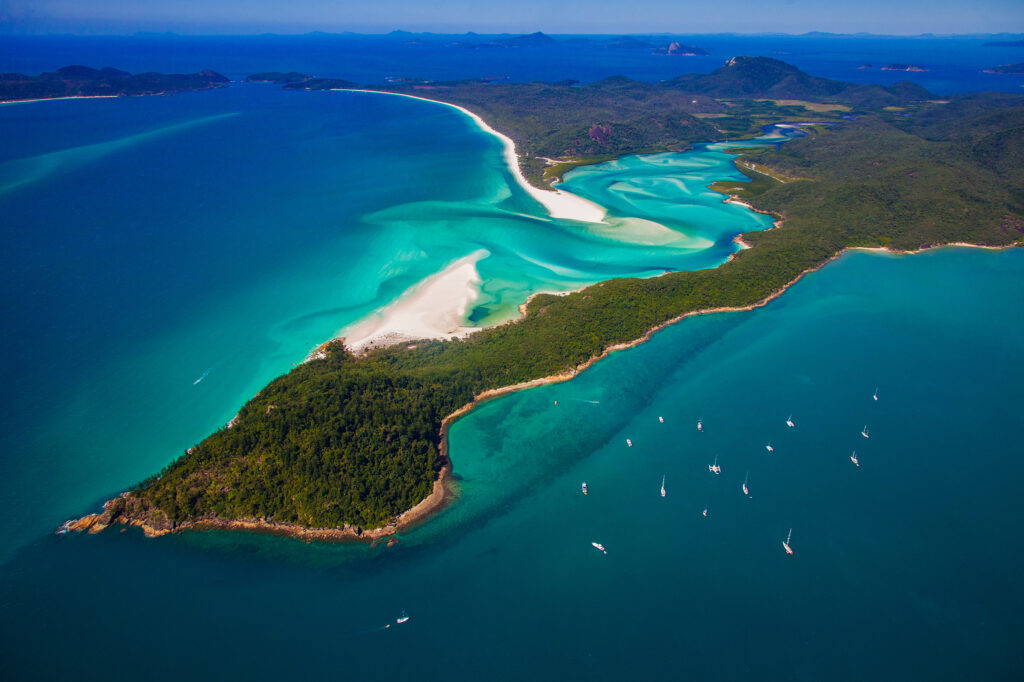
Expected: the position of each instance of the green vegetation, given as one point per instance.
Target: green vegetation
(82, 81)
(573, 123)
(341, 440)
(277, 77)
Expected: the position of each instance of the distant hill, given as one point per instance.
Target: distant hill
(1007, 68)
(1004, 43)
(903, 67)
(537, 39)
(764, 77)
(684, 50)
(277, 77)
(83, 81)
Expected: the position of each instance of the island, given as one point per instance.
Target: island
(678, 48)
(349, 446)
(1016, 69)
(83, 81)
(277, 77)
(903, 67)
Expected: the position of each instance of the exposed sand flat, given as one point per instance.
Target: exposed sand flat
(559, 203)
(432, 309)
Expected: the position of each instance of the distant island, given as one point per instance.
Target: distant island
(903, 67)
(277, 77)
(348, 446)
(1007, 68)
(683, 50)
(83, 81)
(1004, 43)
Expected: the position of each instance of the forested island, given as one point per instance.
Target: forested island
(83, 81)
(1007, 68)
(342, 443)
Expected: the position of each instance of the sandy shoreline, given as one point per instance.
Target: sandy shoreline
(54, 99)
(432, 309)
(559, 203)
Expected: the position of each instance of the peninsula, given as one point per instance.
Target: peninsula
(345, 446)
(83, 81)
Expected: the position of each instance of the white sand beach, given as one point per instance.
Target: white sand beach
(432, 309)
(559, 203)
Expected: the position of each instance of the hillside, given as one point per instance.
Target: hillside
(83, 81)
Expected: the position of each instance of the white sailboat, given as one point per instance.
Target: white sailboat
(865, 432)
(789, 421)
(853, 458)
(599, 546)
(714, 468)
(661, 419)
(785, 543)
(584, 487)
(705, 512)
(875, 396)
(629, 443)
(769, 448)
(745, 481)
(663, 486)
(403, 618)
(700, 424)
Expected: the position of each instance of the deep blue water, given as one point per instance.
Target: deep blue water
(954, 64)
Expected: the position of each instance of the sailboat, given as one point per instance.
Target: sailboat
(661, 419)
(584, 487)
(403, 618)
(700, 424)
(599, 546)
(789, 421)
(785, 543)
(769, 448)
(865, 432)
(853, 458)
(705, 511)
(714, 468)
(875, 396)
(663, 486)
(629, 442)
(745, 481)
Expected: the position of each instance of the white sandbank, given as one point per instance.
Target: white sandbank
(55, 99)
(432, 309)
(559, 203)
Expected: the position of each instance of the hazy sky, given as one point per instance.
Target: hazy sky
(551, 16)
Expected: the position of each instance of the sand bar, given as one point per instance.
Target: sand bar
(432, 309)
(559, 203)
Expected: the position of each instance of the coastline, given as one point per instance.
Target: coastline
(559, 203)
(54, 99)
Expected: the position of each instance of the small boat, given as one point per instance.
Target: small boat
(853, 458)
(663, 486)
(403, 618)
(661, 419)
(700, 424)
(785, 543)
(599, 546)
(865, 432)
(789, 421)
(705, 512)
(629, 442)
(584, 487)
(769, 448)
(875, 396)
(745, 481)
(714, 468)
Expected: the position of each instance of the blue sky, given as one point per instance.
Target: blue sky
(561, 16)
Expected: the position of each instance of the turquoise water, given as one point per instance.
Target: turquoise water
(166, 257)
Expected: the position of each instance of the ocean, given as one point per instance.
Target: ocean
(166, 257)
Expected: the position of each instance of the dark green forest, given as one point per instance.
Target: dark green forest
(83, 81)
